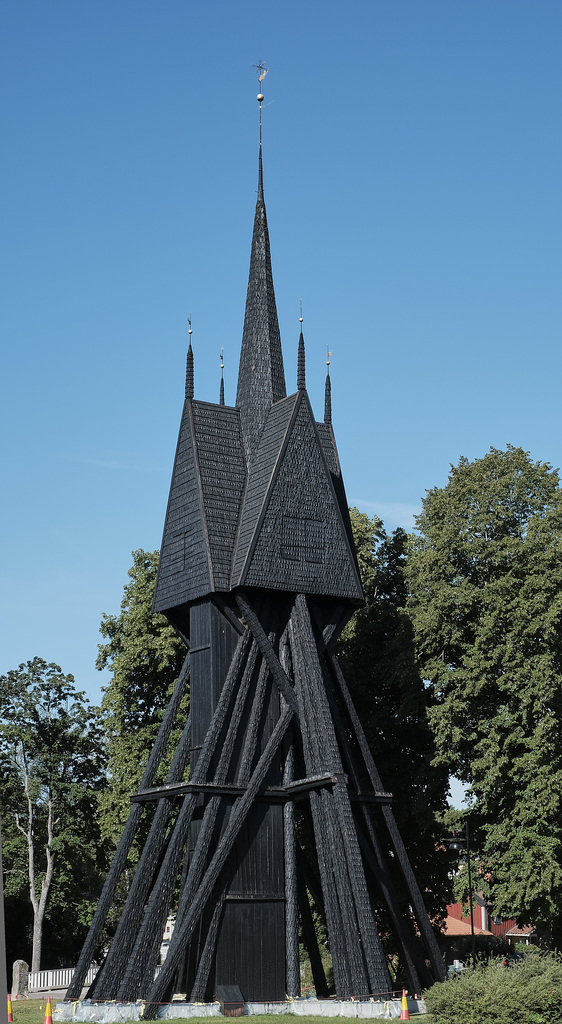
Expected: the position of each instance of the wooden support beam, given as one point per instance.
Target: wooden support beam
(370, 954)
(370, 797)
(200, 856)
(157, 909)
(119, 861)
(292, 963)
(311, 942)
(181, 935)
(139, 967)
(314, 782)
(373, 855)
(254, 723)
(421, 915)
(123, 943)
(335, 903)
(206, 959)
(417, 973)
(273, 793)
(278, 673)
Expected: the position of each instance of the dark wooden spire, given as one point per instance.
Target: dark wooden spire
(189, 375)
(301, 365)
(328, 399)
(261, 377)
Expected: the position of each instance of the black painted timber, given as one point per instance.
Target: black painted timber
(258, 573)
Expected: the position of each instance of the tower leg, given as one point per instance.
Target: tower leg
(119, 861)
(291, 894)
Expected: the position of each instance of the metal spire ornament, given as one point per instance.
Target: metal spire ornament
(189, 369)
(261, 71)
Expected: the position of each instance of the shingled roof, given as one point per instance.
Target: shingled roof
(257, 498)
(261, 377)
(293, 535)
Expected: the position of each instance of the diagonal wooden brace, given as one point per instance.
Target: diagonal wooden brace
(264, 644)
(239, 814)
(119, 861)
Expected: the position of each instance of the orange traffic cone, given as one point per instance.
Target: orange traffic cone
(48, 1019)
(10, 1018)
(404, 1015)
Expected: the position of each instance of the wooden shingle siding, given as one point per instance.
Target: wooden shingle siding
(183, 572)
(327, 440)
(223, 474)
(302, 544)
(259, 478)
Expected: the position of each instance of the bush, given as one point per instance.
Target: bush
(528, 991)
(487, 947)
(523, 948)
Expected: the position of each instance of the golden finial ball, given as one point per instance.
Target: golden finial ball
(260, 97)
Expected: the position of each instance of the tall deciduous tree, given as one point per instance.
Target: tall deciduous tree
(377, 655)
(485, 578)
(52, 760)
(145, 655)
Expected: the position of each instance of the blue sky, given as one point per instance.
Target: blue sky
(412, 155)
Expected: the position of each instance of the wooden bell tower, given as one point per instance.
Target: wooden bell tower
(273, 804)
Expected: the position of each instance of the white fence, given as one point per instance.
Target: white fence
(44, 981)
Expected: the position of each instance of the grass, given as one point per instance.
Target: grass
(29, 1011)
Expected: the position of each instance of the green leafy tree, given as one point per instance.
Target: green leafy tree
(377, 655)
(52, 761)
(485, 581)
(145, 655)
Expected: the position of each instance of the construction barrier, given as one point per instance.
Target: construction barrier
(115, 1013)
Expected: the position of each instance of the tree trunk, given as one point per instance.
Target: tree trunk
(39, 905)
(39, 913)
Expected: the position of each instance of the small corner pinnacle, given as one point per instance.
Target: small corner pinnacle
(328, 391)
(221, 394)
(301, 363)
(189, 369)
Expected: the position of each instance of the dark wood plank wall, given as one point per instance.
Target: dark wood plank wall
(252, 918)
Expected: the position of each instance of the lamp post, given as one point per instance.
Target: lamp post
(456, 845)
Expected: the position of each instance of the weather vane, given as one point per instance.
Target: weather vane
(261, 71)
(300, 317)
(190, 332)
(330, 354)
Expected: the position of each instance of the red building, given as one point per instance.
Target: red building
(457, 923)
